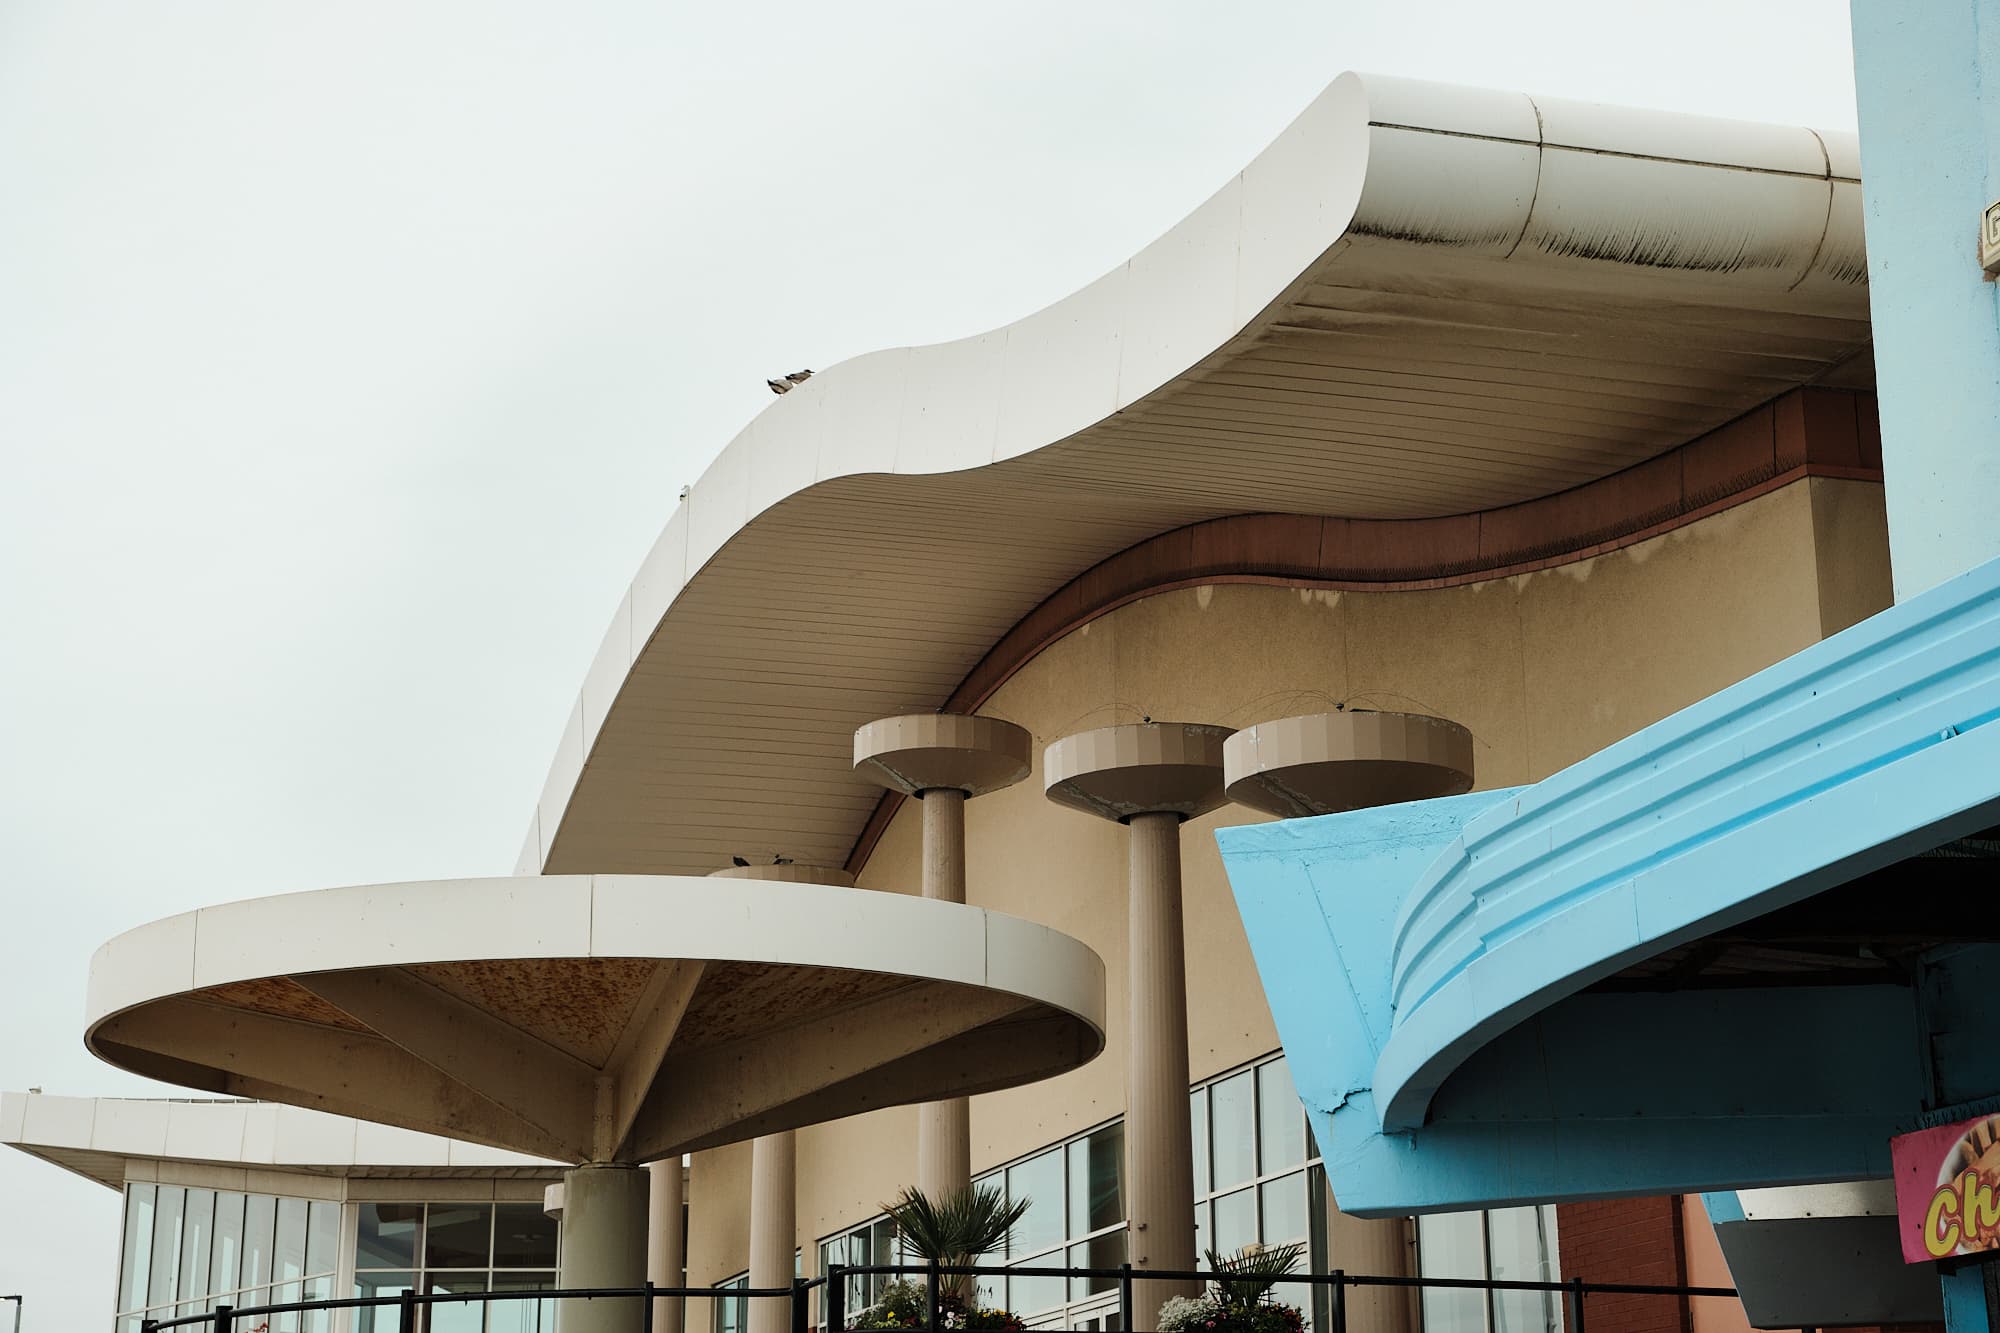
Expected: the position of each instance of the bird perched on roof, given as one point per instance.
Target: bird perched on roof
(789, 382)
(738, 862)
(781, 860)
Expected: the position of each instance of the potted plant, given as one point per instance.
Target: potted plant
(1239, 1299)
(952, 1231)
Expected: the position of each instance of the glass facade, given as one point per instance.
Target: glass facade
(456, 1247)
(1512, 1244)
(1258, 1180)
(188, 1250)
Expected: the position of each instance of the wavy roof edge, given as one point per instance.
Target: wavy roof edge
(1758, 221)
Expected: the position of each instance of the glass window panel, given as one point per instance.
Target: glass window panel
(1281, 1121)
(226, 1249)
(167, 1212)
(260, 1216)
(286, 1321)
(1106, 1251)
(1198, 1118)
(1452, 1245)
(317, 1289)
(1095, 1165)
(1235, 1221)
(457, 1316)
(1040, 1181)
(322, 1237)
(1031, 1294)
(386, 1235)
(379, 1318)
(197, 1229)
(1521, 1252)
(523, 1236)
(136, 1266)
(521, 1316)
(1233, 1129)
(1204, 1234)
(289, 1252)
(1284, 1207)
(458, 1235)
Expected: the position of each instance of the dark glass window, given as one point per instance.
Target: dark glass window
(458, 1235)
(523, 1236)
(386, 1235)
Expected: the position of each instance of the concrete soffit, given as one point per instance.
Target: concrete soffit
(1420, 301)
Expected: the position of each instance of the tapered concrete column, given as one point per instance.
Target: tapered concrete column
(943, 759)
(1150, 777)
(603, 1245)
(1159, 1144)
(665, 1241)
(1349, 760)
(773, 1227)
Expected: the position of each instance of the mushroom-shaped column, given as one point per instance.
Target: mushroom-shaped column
(1150, 777)
(774, 1157)
(943, 759)
(1317, 765)
(601, 1020)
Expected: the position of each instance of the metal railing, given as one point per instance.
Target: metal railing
(412, 1307)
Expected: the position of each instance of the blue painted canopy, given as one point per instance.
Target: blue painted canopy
(1427, 964)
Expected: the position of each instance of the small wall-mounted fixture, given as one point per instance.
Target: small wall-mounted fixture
(1989, 240)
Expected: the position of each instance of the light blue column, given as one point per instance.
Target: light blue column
(1927, 77)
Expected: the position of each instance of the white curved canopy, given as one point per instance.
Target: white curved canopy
(1420, 300)
(595, 1018)
(101, 1138)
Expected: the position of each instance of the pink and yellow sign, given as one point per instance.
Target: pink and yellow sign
(1948, 1189)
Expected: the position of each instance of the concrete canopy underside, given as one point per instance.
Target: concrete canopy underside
(596, 1018)
(1419, 301)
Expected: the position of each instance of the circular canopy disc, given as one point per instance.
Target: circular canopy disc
(1144, 768)
(922, 752)
(596, 1018)
(1327, 762)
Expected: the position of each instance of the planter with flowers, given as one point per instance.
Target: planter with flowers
(953, 1230)
(1239, 1299)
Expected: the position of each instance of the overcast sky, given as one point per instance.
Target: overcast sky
(352, 355)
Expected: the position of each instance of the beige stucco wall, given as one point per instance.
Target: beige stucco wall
(1544, 669)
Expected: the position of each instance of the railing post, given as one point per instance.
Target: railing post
(836, 1299)
(1125, 1296)
(646, 1319)
(1576, 1305)
(1339, 1300)
(223, 1320)
(149, 1326)
(406, 1319)
(801, 1319)
(931, 1298)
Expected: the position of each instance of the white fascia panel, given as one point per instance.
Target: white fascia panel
(206, 1131)
(950, 405)
(57, 1122)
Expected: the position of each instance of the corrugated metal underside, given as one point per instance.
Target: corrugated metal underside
(1395, 380)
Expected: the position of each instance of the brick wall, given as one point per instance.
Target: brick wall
(1627, 1240)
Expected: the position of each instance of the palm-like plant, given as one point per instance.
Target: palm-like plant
(1242, 1279)
(954, 1229)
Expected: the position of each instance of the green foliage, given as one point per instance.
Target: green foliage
(1238, 1300)
(902, 1306)
(958, 1227)
(1244, 1278)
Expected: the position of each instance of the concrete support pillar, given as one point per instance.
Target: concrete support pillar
(1150, 777)
(1159, 1149)
(773, 1227)
(944, 1129)
(1378, 1247)
(603, 1245)
(665, 1242)
(943, 759)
